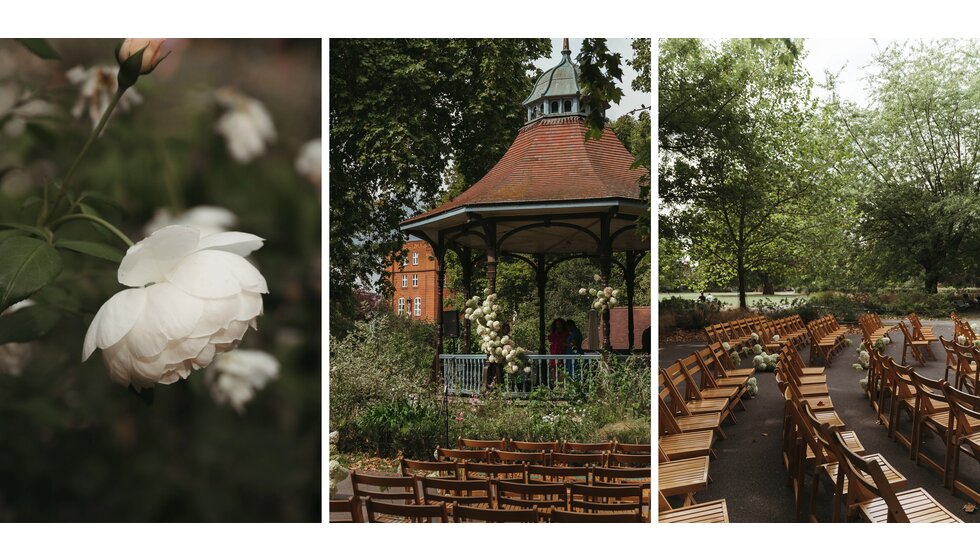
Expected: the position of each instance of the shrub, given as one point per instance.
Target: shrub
(413, 428)
(628, 431)
(383, 359)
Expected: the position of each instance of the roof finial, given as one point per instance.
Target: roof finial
(564, 47)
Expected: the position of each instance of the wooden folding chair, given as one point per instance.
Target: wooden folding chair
(423, 469)
(493, 471)
(548, 498)
(931, 413)
(578, 459)
(572, 447)
(346, 511)
(877, 501)
(477, 493)
(384, 512)
(635, 448)
(685, 423)
(466, 514)
(708, 512)
(684, 477)
(384, 487)
(965, 427)
(540, 474)
(910, 343)
(481, 455)
(534, 445)
(968, 368)
(604, 499)
(521, 457)
(630, 460)
(680, 405)
(483, 444)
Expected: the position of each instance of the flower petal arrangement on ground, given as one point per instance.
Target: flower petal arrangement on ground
(191, 297)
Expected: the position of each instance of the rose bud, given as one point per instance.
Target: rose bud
(151, 56)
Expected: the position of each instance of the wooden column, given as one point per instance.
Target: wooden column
(541, 273)
(439, 250)
(490, 229)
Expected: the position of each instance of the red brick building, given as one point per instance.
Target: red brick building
(414, 280)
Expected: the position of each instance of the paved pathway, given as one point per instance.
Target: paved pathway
(749, 471)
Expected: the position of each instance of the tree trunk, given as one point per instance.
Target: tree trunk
(767, 288)
(932, 281)
(741, 282)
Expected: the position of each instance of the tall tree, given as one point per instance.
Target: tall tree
(918, 143)
(741, 165)
(400, 111)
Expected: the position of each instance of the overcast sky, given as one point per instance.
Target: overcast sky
(631, 99)
(854, 56)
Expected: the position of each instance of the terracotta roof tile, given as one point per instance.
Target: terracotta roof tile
(550, 161)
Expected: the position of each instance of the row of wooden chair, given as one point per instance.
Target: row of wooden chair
(929, 405)
(816, 443)
(916, 342)
(872, 327)
(826, 338)
(564, 446)
(962, 359)
(635, 458)
(384, 512)
(738, 334)
(962, 328)
(545, 489)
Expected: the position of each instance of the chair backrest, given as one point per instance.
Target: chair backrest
(572, 447)
(554, 475)
(534, 445)
(605, 476)
(668, 424)
(635, 448)
(861, 489)
(468, 514)
(413, 513)
(442, 469)
(351, 507)
(588, 498)
(559, 516)
(441, 490)
(628, 460)
(521, 457)
(465, 443)
(384, 487)
(480, 471)
(964, 409)
(678, 406)
(578, 459)
(444, 454)
(530, 495)
(927, 392)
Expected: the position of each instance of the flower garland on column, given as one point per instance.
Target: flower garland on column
(500, 348)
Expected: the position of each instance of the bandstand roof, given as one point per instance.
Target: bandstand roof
(547, 194)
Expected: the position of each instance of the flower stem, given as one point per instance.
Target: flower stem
(88, 144)
(111, 228)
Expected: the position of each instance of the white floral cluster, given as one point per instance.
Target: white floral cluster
(736, 359)
(337, 471)
(763, 361)
(882, 342)
(605, 297)
(864, 359)
(498, 348)
(753, 386)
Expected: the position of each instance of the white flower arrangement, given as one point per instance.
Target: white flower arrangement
(775, 338)
(864, 360)
(725, 345)
(498, 348)
(736, 359)
(755, 337)
(961, 340)
(753, 386)
(605, 297)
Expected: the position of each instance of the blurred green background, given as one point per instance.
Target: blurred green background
(73, 445)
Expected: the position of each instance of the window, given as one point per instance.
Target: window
(554, 106)
(568, 105)
(401, 305)
(418, 307)
(415, 280)
(405, 262)
(404, 280)
(415, 259)
(542, 108)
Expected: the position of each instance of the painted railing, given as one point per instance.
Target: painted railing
(464, 373)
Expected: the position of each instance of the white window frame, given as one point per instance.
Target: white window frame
(418, 307)
(401, 306)
(415, 259)
(404, 280)
(415, 280)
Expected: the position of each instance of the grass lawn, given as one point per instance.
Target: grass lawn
(731, 298)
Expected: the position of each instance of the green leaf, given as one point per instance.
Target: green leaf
(92, 248)
(5, 233)
(40, 47)
(86, 209)
(26, 265)
(28, 228)
(27, 324)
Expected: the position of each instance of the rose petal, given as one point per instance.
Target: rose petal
(241, 244)
(114, 320)
(152, 258)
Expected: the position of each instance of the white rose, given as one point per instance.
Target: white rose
(597, 305)
(527, 369)
(309, 161)
(596, 277)
(191, 298)
(234, 377)
(97, 85)
(607, 291)
(615, 293)
(206, 219)
(592, 291)
(612, 301)
(582, 291)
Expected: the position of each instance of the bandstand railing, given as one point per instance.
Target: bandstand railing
(464, 373)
